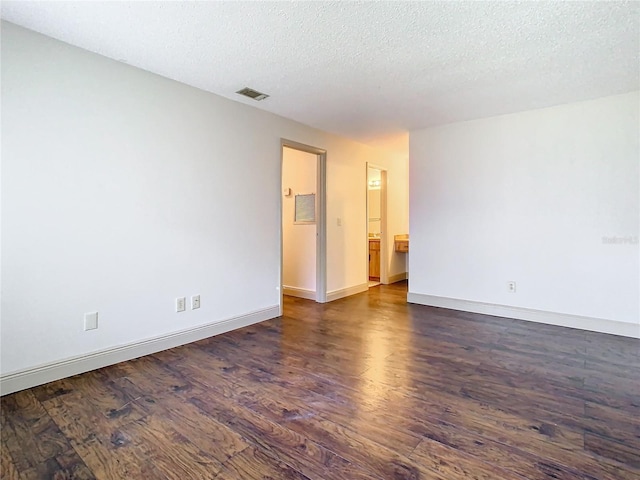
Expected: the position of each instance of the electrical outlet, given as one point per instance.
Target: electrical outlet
(90, 321)
(511, 287)
(181, 304)
(195, 302)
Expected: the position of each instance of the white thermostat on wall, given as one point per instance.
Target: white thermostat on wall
(286, 192)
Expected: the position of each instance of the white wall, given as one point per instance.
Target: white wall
(299, 173)
(122, 190)
(374, 210)
(529, 197)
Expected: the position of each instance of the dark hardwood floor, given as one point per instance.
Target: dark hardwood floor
(364, 387)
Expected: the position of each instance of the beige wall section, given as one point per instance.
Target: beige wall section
(397, 209)
(123, 190)
(347, 200)
(299, 173)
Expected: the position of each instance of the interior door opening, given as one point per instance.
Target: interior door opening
(303, 237)
(376, 226)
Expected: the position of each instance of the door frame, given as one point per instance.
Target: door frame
(321, 217)
(384, 243)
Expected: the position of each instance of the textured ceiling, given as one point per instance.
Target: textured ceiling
(367, 70)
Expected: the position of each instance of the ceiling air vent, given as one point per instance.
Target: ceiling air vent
(251, 93)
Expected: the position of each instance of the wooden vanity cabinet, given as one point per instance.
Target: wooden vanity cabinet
(374, 258)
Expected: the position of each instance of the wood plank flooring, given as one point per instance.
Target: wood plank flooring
(366, 387)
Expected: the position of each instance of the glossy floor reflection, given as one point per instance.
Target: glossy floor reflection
(363, 387)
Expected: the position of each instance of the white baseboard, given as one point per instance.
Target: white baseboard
(31, 377)
(398, 277)
(345, 292)
(551, 318)
(299, 292)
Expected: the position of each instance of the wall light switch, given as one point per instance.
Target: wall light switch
(195, 302)
(90, 321)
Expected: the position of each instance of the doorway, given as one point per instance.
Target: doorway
(376, 225)
(303, 222)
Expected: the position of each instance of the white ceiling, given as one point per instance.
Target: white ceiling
(367, 70)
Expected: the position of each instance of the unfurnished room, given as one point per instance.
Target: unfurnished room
(325, 240)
